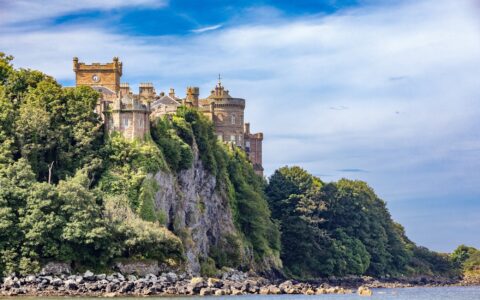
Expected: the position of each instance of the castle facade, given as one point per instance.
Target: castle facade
(130, 114)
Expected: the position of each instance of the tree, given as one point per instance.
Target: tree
(356, 210)
(16, 180)
(295, 200)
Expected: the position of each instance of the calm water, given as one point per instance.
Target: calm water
(450, 293)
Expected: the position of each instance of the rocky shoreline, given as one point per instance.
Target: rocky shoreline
(230, 283)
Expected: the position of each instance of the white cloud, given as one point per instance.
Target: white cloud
(35, 10)
(407, 74)
(208, 28)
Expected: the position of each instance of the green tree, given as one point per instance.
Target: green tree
(355, 209)
(5, 67)
(16, 180)
(295, 200)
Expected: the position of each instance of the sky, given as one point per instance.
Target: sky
(382, 91)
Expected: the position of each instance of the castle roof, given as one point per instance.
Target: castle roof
(219, 92)
(165, 100)
(103, 90)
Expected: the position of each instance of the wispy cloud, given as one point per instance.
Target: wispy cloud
(26, 10)
(340, 107)
(353, 170)
(208, 28)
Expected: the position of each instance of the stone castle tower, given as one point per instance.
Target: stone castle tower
(94, 75)
(128, 113)
(121, 110)
(226, 113)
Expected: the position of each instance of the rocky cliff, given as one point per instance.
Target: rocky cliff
(196, 209)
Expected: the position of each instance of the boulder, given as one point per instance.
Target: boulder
(274, 290)
(151, 277)
(88, 275)
(56, 268)
(214, 282)
(79, 279)
(309, 292)
(149, 291)
(364, 291)
(264, 291)
(205, 291)
(101, 276)
(126, 287)
(171, 277)
(286, 284)
(71, 284)
(56, 282)
(138, 267)
(236, 292)
(195, 284)
(219, 292)
(11, 282)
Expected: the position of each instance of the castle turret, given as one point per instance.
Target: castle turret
(192, 96)
(253, 147)
(124, 89)
(146, 92)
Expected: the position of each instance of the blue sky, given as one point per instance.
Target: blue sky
(383, 91)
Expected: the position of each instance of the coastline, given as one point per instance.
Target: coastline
(172, 284)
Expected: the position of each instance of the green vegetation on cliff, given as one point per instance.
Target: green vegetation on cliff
(467, 259)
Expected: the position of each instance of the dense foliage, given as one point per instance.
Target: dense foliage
(467, 259)
(62, 185)
(342, 228)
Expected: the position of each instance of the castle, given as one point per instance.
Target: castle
(130, 114)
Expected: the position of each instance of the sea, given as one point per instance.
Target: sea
(440, 293)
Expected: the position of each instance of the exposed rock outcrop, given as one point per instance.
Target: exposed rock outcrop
(56, 268)
(196, 209)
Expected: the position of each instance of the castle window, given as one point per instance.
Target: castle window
(220, 137)
(232, 138)
(140, 123)
(233, 119)
(125, 122)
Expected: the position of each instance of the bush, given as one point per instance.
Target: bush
(177, 152)
(138, 238)
(127, 165)
(207, 267)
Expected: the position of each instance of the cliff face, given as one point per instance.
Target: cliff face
(195, 209)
